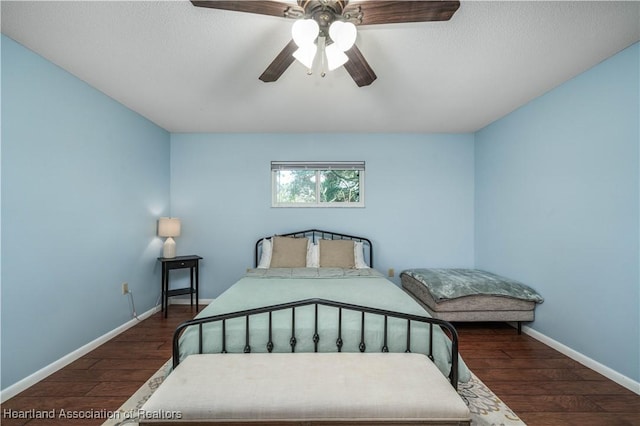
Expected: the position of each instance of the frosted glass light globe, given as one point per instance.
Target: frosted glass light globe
(306, 54)
(305, 31)
(335, 57)
(343, 34)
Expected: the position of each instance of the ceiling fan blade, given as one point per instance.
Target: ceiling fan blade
(265, 7)
(280, 63)
(358, 67)
(393, 12)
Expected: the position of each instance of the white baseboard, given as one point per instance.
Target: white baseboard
(609, 373)
(44, 372)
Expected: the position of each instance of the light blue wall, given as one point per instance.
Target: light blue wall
(419, 197)
(83, 181)
(557, 196)
(549, 195)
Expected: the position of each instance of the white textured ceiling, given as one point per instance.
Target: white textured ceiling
(192, 69)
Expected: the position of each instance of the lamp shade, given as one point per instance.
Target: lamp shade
(168, 227)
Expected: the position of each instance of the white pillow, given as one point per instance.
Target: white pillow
(358, 252)
(265, 257)
(313, 255)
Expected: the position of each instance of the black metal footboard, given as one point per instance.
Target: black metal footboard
(363, 310)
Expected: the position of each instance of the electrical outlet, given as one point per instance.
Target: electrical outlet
(391, 272)
(125, 288)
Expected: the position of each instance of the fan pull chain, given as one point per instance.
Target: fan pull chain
(322, 41)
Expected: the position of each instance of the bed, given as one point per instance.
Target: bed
(471, 295)
(318, 293)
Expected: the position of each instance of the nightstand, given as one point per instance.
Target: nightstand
(179, 262)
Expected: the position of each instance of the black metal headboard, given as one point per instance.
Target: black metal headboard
(314, 235)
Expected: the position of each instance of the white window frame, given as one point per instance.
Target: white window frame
(318, 166)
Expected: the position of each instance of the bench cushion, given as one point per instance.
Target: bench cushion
(369, 387)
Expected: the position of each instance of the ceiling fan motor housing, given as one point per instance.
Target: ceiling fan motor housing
(324, 12)
(310, 6)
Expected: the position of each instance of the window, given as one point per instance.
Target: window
(317, 184)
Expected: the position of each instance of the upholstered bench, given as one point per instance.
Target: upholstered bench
(306, 389)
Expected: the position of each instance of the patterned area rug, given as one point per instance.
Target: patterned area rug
(486, 408)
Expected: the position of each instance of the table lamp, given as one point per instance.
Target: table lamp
(169, 227)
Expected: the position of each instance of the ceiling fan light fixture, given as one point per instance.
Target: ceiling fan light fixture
(335, 57)
(305, 32)
(306, 54)
(343, 34)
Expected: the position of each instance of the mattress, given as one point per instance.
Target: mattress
(470, 295)
(366, 287)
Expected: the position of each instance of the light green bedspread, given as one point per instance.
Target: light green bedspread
(365, 287)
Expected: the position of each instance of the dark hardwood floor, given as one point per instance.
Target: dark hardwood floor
(541, 385)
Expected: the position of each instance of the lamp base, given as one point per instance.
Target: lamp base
(169, 248)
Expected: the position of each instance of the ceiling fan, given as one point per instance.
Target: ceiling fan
(326, 12)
